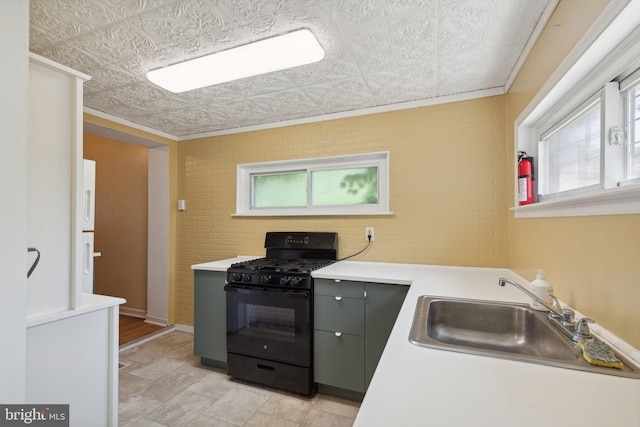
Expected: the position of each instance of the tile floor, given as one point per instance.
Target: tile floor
(163, 384)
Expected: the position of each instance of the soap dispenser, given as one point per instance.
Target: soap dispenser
(542, 289)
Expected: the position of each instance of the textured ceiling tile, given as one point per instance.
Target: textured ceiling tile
(185, 30)
(108, 78)
(212, 96)
(377, 52)
(244, 108)
(285, 105)
(324, 71)
(132, 101)
(260, 85)
(338, 96)
(55, 21)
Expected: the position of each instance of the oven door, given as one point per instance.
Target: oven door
(270, 324)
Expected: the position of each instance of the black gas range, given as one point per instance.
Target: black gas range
(270, 310)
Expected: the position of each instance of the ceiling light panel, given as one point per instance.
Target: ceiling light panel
(265, 56)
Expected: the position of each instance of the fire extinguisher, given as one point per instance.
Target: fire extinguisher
(525, 178)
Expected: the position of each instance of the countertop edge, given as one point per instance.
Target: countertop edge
(90, 303)
(223, 264)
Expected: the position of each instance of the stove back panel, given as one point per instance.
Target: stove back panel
(292, 245)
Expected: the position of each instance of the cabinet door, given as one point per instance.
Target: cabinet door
(54, 187)
(338, 360)
(50, 189)
(341, 288)
(337, 314)
(210, 316)
(69, 361)
(382, 306)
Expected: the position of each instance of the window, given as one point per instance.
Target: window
(344, 185)
(279, 190)
(583, 127)
(570, 154)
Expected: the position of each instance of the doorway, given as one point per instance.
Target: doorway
(136, 211)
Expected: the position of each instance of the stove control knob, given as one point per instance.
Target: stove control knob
(265, 279)
(237, 277)
(295, 281)
(246, 278)
(284, 281)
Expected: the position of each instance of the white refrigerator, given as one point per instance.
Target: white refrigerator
(88, 224)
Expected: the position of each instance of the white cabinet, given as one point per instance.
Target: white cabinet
(71, 337)
(54, 186)
(72, 358)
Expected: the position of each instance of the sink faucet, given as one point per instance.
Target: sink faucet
(502, 282)
(562, 319)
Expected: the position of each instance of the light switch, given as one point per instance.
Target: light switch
(181, 205)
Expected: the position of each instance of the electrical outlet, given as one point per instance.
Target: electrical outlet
(368, 231)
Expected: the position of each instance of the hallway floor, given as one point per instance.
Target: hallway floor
(134, 328)
(163, 384)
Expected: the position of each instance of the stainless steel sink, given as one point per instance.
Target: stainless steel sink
(503, 330)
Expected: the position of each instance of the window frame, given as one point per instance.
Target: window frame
(629, 82)
(246, 171)
(608, 53)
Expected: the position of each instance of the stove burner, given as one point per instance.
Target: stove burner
(299, 265)
(288, 273)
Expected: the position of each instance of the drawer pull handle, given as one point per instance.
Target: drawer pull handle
(338, 334)
(338, 298)
(337, 280)
(265, 367)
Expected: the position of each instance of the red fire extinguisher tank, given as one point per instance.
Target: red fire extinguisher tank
(525, 179)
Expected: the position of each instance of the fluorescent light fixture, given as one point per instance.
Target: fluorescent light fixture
(277, 53)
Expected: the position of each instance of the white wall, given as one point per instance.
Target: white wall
(14, 21)
(158, 240)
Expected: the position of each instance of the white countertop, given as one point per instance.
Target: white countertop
(89, 303)
(418, 386)
(382, 272)
(221, 265)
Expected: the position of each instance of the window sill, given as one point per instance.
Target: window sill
(307, 213)
(618, 201)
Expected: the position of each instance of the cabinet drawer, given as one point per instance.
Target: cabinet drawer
(344, 315)
(343, 288)
(339, 361)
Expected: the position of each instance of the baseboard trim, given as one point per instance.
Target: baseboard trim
(133, 312)
(156, 320)
(184, 328)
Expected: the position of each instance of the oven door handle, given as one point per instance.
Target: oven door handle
(229, 288)
(246, 289)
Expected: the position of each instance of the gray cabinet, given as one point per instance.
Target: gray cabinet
(382, 306)
(352, 322)
(338, 360)
(339, 318)
(210, 317)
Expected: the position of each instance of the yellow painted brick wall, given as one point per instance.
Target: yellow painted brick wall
(592, 262)
(447, 189)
